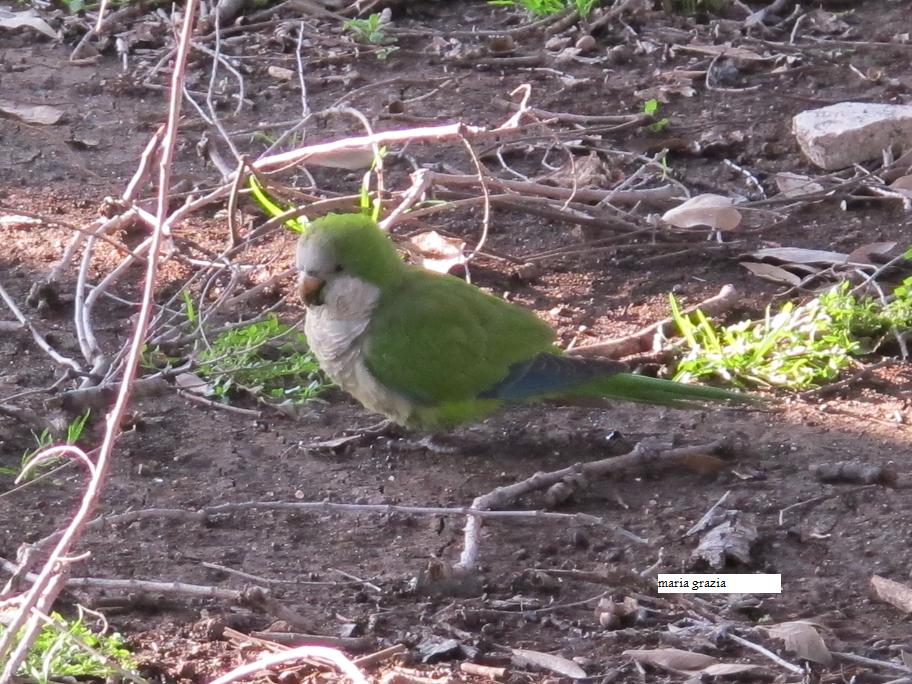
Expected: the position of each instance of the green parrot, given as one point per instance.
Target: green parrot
(430, 351)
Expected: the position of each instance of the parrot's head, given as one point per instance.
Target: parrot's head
(343, 250)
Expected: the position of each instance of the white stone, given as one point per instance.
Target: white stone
(850, 132)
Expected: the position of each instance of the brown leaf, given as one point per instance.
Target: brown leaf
(800, 255)
(729, 669)
(713, 211)
(902, 184)
(777, 274)
(674, 659)
(862, 255)
(16, 20)
(796, 185)
(34, 114)
(567, 668)
(191, 382)
(439, 252)
(896, 594)
(802, 639)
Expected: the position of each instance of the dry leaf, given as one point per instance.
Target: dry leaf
(796, 185)
(193, 383)
(567, 668)
(802, 639)
(713, 211)
(799, 255)
(862, 255)
(15, 20)
(674, 659)
(902, 185)
(773, 273)
(34, 114)
(896, 594)
(438, 252)
(688, 663)
(729, 669)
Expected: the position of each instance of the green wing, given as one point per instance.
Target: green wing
(438, 340)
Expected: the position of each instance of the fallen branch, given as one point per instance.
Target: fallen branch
(644, 340)
(204, 515)
(252, 597)
(641, 457)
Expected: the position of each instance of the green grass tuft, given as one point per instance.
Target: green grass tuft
(797, 347)
(268, 358)
(544, 8)
(61, 652)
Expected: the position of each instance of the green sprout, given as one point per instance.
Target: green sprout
(46, 439)
(371, 30)
(268, 358)
(295, 225)
(69, 649)
(544, 8)
(796, 348)
(651, 108)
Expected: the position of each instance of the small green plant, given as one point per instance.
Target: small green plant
(371, 30)
(61, 653)
(544, 8)
(267, 357)
(651, 108)
(295, 225)
(154, 359)
(899, 309)
(189, 308)
(371, 206)
(794, 348)
(798, 347)
(46, 438)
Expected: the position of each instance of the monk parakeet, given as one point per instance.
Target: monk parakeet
(429, 350)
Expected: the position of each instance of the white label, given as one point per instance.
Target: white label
(719, 584)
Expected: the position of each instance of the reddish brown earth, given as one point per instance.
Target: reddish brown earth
(180, 454)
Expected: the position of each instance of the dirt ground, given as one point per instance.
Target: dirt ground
(351, 574)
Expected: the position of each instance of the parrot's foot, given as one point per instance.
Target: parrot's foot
(385, 428)
(448, 444)
(439, 444)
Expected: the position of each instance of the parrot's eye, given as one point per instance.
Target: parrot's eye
(338, 268)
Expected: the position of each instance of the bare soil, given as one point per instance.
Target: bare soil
(181, 454)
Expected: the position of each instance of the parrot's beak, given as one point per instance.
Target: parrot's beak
(310, 288)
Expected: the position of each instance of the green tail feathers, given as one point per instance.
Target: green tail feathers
(646, 390)
(268, 205)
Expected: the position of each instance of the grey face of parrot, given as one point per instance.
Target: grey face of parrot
(317, 268)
